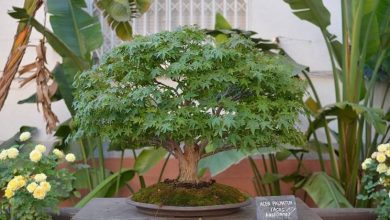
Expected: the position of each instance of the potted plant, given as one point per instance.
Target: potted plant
(31, 182)
(185, 92)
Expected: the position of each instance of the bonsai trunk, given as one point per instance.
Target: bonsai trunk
(188, 164)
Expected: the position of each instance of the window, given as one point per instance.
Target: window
(169, 14)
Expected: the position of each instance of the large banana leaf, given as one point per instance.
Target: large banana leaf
(71, 23)
(32, 99)
(119, 14)
(221, 161)
(325, 191)
(148, 158)
(315, 12)
(383, 17)
(312, 11)
(106, 187)
(349, 112)
(64, 81)
(221, 23)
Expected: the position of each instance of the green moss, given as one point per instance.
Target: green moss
(168, 194)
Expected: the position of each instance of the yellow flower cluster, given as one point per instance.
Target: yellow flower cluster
(38, 189)
(37, 185)
(381, 159)
(16, 183)
(10, 153)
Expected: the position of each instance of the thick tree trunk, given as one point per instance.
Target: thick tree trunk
(188, 165)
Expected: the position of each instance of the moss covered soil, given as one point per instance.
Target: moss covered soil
(172, 194)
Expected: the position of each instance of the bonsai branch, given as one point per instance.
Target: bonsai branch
(218, 111)
(201, 144)
(167, 87)
(173, 147)
(170, 145)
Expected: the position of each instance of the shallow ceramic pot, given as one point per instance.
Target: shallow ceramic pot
(188, 211)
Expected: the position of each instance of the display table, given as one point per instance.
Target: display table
(119, 209)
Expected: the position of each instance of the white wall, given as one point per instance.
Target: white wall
(301, 39)
(270, 18)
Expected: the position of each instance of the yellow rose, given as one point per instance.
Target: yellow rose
(21, 183)
(70, 158)
(41, 148)
(46, 186)
(31, 187)
(381, 168)
(387, 153)
(58, 153)
(40, 177)
(9, 193)
(373, 155)
(382, 147)
(18, 177)
(35, 156)
(3, 155)
(25, 136)
(39, 193)
(16, 183)
(381, 157)
(13, 185)
(12, 153)
(365, 163)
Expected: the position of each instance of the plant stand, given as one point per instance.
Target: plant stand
(119, 209)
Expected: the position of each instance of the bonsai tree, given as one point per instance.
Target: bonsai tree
(184, 92)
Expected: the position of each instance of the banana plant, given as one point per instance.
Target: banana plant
(119, 14)
(361, 124)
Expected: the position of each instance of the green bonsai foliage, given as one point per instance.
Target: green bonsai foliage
(184, 92)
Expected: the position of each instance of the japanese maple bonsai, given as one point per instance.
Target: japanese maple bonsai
(186, 93)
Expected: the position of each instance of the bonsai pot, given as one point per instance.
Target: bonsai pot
(188, 211)
(172, 198)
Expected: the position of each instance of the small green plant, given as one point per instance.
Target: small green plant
(31, 182)
(376, 180)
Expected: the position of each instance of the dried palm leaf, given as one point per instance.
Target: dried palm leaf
(46, 86)
(17, 52)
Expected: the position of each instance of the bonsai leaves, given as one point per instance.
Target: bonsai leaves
(182, 86)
